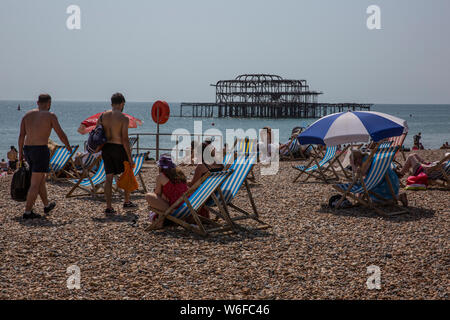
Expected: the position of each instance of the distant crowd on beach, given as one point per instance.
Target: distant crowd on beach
(171, 182)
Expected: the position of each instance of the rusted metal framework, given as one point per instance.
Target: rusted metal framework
(266, 96)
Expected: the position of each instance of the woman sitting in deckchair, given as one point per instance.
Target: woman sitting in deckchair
(170, 185)
(357, 159)
(417, 166)
(202, 168)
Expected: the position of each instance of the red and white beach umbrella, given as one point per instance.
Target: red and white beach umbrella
(89, 124)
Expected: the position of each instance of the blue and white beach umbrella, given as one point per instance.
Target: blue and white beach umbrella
(352, 126)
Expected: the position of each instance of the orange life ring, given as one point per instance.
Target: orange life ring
(164, 111)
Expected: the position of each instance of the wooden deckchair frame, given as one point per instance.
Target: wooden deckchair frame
(245, 214)
(86, 175)
(365, 200)
(200, 228)
(290, 155)
(399, 143)
(321, 172)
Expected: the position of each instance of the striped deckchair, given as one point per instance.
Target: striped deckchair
(242, 166)
(89, 184)
(92, 184)
(379, 160)
(398, 142)
(132, 141)
(295, 151)
(440, 174)
(320, 168)
(59, 159)
(192, 201)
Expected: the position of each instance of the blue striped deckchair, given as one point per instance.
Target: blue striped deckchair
(441, 172)
(92, 184)
(132, 141)
(318, 170)
(59, 159)
(294, 150)
(379, 160)
(89, 184)
(192, 201)
(242, 166)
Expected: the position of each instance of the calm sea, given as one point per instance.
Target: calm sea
(432, 120)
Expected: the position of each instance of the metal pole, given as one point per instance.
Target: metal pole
(137, 136)
(157, 134)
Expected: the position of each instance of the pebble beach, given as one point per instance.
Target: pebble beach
(311, 251)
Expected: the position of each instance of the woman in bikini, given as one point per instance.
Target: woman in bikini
(170, 186)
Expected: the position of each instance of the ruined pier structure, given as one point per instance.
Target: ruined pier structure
(265, 96)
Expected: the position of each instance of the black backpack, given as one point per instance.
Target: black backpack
(20, 183)
(97, 138)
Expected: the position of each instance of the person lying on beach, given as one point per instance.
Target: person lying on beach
(170, 186)
(360, 167)
(35, 129)
(417, 165)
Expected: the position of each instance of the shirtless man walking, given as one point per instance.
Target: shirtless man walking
(35, 130)
(117, 148)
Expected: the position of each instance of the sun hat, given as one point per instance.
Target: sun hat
(165, 162)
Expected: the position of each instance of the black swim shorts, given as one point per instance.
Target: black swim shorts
(37, 157)
(113, 157)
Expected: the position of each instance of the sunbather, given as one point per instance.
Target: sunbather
(170, 185)
(298, 150)
(357, 159)
(417, 165)
(3, 166)
(202, 168)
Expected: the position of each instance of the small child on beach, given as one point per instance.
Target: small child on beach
(170, 186)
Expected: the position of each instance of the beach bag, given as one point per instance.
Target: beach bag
(20, 183)
(332, 203)
(97, 138)
(127, 180)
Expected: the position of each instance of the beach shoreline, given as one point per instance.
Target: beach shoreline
(311, 251)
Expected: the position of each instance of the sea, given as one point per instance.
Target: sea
(433, 121)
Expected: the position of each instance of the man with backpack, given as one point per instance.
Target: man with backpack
(116, 150)
(35, 129)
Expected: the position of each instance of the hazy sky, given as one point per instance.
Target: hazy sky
(174, 49)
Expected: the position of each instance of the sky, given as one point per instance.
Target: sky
(174, 49)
